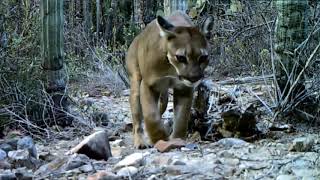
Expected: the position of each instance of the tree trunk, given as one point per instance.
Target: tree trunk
(109, 22)
(173, 5)
(53, 58)
(98, 17)
(138, 12)
(72, 13)
(149, 11)
(291, 31)
(87, 14)
(167, 7)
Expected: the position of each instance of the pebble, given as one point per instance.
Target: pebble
(3, 155)
(135, 159)
(127, 171)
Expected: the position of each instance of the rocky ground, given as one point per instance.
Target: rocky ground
(282, 154)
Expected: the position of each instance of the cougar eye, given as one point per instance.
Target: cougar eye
(181, 59)
(203, 58)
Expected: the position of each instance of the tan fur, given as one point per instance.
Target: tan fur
(154, 68)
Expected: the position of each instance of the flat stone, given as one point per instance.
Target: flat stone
(286, 177)
(135, 159)
(86, 168)
(165, 146)
(103, 175)
(127, 171)
(95, 146)
(302, 144)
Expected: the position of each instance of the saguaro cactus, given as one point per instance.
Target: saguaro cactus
(53, 55)
(291, 31)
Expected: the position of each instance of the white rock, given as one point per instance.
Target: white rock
(117, 143)
(229, 142)
(177, 162)
(128, 171)
(286, 177)
(135, 159)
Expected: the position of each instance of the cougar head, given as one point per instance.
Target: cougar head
(187, 50)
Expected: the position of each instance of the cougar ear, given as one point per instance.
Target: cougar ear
(166, 28)
(207, 26)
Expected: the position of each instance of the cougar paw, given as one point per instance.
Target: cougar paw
(140, 143)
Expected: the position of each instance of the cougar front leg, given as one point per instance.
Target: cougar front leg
(151, 114)
(136, 112)
(182, 101)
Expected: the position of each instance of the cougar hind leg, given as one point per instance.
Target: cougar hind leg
(163, 102)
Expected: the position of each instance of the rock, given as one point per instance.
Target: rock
(127, 171)
(52, 166)
(229, 142)
(13, 143)
(118, 142)
(101, 117)
(22, 158)
(135, 159)
(153, 177)
(177, 170)
(103, 175)
(165, 146)
(3, 155)
(76, 161)
(4, 165)
(27, 143)
(86, 168)
(192, 146)
(46, 156)
(306, 172)
(286, 177)
(302, 144)
(161, 160)
(8, 176)
(24, 174)
(126, 92)
(229, 161)
(178, 162)
(6, 147)
(95, 146)
(196, 137)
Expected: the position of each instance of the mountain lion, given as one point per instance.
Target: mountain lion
(168, 53)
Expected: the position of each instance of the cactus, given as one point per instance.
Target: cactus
(291, 30)
(53, 55)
